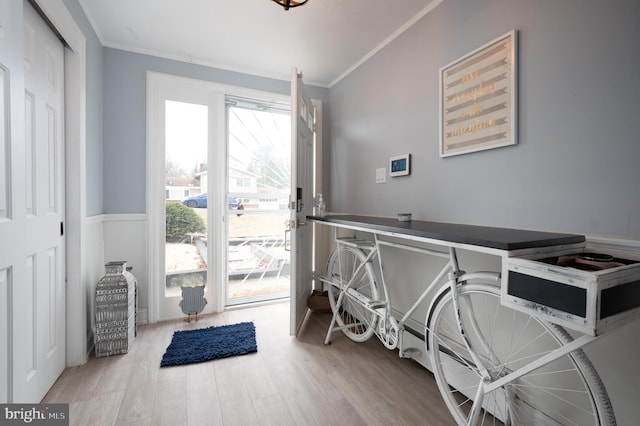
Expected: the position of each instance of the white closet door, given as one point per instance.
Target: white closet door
(32, 250)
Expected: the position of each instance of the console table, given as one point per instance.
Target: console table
(499, 241)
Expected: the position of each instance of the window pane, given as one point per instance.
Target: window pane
(186, 195)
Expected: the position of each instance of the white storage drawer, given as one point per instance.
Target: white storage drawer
(554, 288)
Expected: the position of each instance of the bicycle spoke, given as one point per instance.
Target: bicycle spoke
(515, 344)
(555, 393)
(524, 391)
(454, 355)
(354, 289)
(560, 392)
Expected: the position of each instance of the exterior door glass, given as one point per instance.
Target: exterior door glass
(259, 176)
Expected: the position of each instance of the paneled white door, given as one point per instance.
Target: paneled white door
(32, 245)
(301, 205)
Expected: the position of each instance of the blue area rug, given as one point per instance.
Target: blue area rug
(205, 344)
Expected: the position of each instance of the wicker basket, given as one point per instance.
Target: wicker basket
(319, 302)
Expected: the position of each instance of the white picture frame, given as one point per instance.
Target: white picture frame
(478, 99)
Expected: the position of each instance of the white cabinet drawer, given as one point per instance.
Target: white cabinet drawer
(589, 301)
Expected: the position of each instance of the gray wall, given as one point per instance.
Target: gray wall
(575, 168)
(125, 118)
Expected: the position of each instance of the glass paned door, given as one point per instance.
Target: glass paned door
(259, 173)
(185, 196)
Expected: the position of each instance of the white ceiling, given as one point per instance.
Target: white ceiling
(326, 39)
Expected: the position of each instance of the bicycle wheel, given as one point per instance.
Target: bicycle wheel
(355, 318)
(567, 391)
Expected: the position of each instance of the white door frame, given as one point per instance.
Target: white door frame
(162, 87)
(157, 82)
(75, 183)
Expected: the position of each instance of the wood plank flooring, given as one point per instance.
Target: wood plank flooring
(289, 381)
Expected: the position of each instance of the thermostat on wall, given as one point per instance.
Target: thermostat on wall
(400, 165)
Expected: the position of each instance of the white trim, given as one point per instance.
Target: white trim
(181, 58)
(99, 218)
(143, 316)
(217, 155)
(129, 217)
(321, 235)
(209, 64)
(154, 222)
(410, 23)
(159, 85)
(188, 59)
(614, 246)
(178, 82)
(120, 217)
(319, 147)
(75, 186)
(90, 342)
(164, 86)
(91, 19)
(57, 13)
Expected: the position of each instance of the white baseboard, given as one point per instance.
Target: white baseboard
(142, 316)
(90, 343)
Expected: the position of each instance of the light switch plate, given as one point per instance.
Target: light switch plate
(381, 175)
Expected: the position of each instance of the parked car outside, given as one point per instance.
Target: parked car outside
(200, 201)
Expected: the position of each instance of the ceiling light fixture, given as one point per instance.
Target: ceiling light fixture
(290, 3)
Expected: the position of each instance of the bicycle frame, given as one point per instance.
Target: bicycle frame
(450, 270)
(454, 277)
(446, 269)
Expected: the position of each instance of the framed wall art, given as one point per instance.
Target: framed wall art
(478, 99)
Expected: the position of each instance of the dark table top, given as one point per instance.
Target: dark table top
(484, 236)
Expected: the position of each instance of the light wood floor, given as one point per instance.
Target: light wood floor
(289, 381)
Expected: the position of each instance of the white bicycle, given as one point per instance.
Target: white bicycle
(492, 364)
